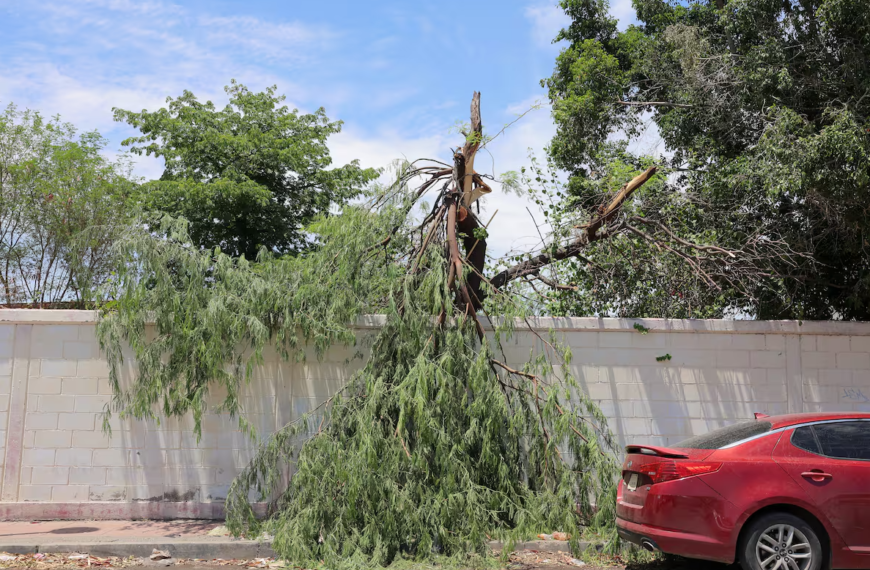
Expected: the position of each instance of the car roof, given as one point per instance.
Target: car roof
(787, 420)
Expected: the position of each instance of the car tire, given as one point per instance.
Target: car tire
(765, 531)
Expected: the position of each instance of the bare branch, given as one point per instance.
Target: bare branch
(663, 227)
(550, 283)
(692, 262)
(654, 104)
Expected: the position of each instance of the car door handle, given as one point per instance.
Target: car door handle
(817, 476)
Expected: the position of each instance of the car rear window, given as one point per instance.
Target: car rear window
(804, 438)
(721, 437)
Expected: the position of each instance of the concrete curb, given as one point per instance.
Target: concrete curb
(205, 548)
(123, 547)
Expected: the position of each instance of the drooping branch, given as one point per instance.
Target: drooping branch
(714, 265)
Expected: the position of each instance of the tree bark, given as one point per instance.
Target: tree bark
(463, 294)
(477, 259)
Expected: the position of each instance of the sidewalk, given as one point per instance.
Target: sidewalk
(182, 539)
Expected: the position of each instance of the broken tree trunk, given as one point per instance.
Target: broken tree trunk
(468, 187)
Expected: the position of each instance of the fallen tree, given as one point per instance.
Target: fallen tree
(438, 444)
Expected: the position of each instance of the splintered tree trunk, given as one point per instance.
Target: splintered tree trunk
(468, 187)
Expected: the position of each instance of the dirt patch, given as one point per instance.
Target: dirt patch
(535, 560)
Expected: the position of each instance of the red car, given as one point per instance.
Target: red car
(777, 493)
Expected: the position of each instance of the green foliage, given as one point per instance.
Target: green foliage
(628, 276)
(663, 358)
(247, 176)
(640, 328)
(452, 456)
(62, 205)
(214, 314)
(511, 183)
(433, 446)
(763, 106)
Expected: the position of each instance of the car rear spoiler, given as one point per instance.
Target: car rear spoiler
(653, 450)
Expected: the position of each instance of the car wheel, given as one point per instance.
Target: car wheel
(781, 541)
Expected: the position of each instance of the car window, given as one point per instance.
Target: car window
(845, 440)
(803, 438)
(721, 437)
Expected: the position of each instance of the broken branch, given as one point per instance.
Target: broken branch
(588, 235)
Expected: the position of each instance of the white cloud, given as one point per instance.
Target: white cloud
(623, 11)
(273, 41)
(514, 226)
(380, 149)
(144, 7)
(547, 20)
(132, 55)
(45, 88)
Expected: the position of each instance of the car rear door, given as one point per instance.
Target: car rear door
(831, 462)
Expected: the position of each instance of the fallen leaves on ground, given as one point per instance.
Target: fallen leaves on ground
(219, 531)
(75, 560)
(42, 561)
(560, 536)
(519, 560)
(269, 563)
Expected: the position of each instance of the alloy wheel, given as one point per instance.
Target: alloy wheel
(783, 547)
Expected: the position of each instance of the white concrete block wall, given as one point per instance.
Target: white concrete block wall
(58, 463)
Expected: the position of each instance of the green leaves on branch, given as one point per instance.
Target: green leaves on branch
(214, 315)
(431, 447)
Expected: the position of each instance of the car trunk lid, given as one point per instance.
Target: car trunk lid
(647, 465)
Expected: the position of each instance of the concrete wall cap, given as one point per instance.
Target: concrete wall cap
(592, 324)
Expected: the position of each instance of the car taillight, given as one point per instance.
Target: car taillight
(670, 470)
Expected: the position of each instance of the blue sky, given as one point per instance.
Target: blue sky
(398, 73)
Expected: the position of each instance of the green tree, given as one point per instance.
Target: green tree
(763, 106)
(62, 206)
(247, 176)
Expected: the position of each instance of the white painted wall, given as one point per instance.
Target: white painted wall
(57, 462)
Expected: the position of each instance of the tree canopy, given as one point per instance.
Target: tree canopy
(763, 109)
(62, 205)
(247, 176)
